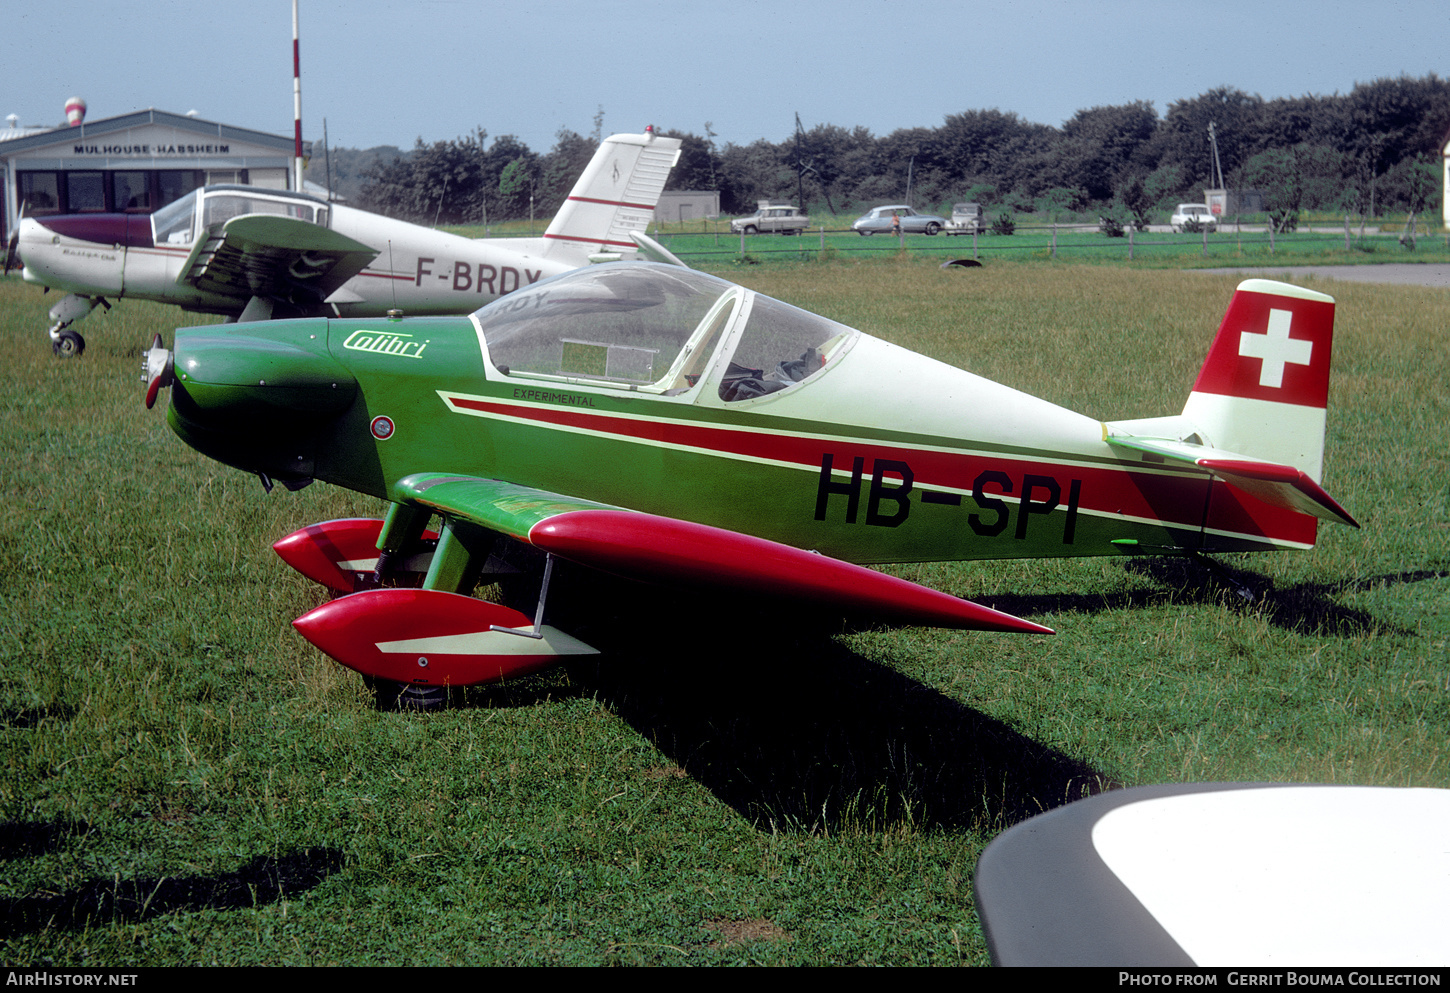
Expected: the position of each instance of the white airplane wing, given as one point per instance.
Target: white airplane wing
(1271, 875)
(275, 258)
(614, 197)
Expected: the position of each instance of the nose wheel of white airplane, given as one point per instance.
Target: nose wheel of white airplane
(67, 344)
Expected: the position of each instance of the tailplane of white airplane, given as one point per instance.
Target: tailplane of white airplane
(615, 196)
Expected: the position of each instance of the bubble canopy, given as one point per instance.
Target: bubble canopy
(662, 329)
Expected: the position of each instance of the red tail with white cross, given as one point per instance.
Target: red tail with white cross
(1264, 388)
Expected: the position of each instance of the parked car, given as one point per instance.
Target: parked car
(774, 219)
(878, 219)
(966, 219)
(1188, 214)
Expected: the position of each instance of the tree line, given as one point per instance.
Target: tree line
(1373, 150)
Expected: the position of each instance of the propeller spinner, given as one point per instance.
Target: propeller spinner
(158, 370)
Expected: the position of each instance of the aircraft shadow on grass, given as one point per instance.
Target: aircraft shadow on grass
(790, 728)
(99, 902)
(1304, 608)
(797, 732)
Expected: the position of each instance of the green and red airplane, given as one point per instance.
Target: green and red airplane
(658, 423)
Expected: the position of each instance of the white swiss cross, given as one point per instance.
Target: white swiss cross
(1276, 348)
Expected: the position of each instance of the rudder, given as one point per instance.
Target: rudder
(1263, 391)
(616, 194)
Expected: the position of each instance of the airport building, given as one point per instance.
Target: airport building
(133, 163)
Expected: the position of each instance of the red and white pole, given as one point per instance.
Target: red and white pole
(296, 103)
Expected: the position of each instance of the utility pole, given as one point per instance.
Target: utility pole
(800, 167)
(1217, 167)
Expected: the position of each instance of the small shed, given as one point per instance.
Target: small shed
(687, 205)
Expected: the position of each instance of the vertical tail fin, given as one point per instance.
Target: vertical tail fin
(616, 194)
(1264, 388)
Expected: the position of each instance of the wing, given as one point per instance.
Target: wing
(1272, 482)
(663, 549)
(274, 257)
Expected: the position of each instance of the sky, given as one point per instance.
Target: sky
(385, 73)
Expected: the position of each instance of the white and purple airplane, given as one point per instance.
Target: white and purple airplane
(254, 253)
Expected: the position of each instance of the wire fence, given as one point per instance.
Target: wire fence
(1049, 241)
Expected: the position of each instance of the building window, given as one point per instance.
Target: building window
(85, 192)
(173, 184)
(39, 193)
(131, 192)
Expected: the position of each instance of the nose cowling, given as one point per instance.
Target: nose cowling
(260, 378)
(258, 397)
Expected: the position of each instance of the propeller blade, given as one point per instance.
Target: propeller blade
(14, 242)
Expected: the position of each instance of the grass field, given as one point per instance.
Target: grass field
(186, 781)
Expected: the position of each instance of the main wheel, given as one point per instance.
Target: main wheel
(864, 233)
(933, 228)
(388, 695)
(68, 344)
(751, 229)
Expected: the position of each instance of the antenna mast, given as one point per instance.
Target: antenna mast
(1217, 168)
(296, 103)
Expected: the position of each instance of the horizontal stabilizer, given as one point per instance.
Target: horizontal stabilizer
(662, 549)
(654, 251)
(1272, 482)
(432, 638)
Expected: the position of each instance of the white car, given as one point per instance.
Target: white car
(772, 219)
(1190, 213)
(878, 219)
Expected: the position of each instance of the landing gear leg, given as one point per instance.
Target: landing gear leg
(457, 562)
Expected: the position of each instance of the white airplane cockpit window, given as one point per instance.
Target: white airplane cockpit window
(628, 325)
(780, 347)
(175, 223)
(221, 207)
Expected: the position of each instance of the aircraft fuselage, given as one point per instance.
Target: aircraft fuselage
(850, 464)
(418, 270)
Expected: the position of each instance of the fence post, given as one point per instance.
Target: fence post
(1054, 239)
(823, 239)
(974, 241)
(1205, 241)
(1130, 243)
(1271, 236)
(742, 244)
(1346, 231)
